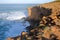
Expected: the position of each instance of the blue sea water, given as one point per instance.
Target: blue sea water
(11, 22)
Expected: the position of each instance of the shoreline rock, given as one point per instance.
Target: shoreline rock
(44, 22)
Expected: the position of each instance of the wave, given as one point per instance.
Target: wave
(12, 15)
(12, 24)
(12, 28)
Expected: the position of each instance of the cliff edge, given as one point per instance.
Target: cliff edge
(44, 22)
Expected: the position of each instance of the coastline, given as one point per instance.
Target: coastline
(39, 30)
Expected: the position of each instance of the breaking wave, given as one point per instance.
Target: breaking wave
(12, 24)
(12, 15)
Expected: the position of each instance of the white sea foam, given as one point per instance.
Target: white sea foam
(12, 15)
(16, 16)
(3, 15)
(13, 23)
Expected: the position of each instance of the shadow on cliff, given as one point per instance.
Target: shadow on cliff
(36, 16)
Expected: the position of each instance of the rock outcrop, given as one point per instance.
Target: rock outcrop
(49, 15)
(44, 22)
(49, 9)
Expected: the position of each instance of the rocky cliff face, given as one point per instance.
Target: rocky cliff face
(49, 15)
(49, 9)
(44, 22)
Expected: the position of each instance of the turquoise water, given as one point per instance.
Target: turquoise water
(11, 22)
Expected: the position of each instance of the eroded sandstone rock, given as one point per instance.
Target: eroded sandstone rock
(44, 22)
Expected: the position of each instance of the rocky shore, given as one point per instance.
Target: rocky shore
(44, 22)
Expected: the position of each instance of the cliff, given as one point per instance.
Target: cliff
(48, 14)
(44, 22)
(53, 6)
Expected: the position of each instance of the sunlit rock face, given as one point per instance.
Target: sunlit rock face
(14, 38)
(49, 9)
(49, 14)
(38, 12)
(55, 11)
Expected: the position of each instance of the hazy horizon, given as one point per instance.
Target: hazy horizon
(24, 1)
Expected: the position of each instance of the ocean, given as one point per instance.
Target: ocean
(11, 19)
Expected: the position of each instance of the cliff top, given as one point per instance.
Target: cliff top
(50, 3)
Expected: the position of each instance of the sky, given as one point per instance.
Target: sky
(24, 1)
